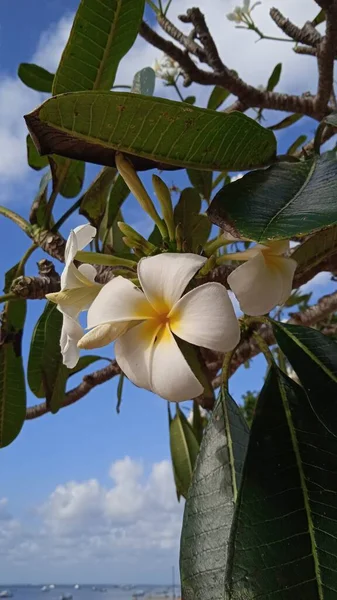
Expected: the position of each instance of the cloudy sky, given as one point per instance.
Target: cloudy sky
(87, 495)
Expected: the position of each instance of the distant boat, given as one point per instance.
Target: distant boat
(76, 586)
(45, 588)
(138, 594)
(66, 597)
(6, 594)
(51, 586)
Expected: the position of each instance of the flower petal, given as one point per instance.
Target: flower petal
(133, 352)
(70, 334)
(73, 301)
(278, 247)
(78, 239)
(287, 268)
(102, 335)
(88, 271)
(171, 376)
(119, 300)
(259, 284)
(205, 317)
(164, 277)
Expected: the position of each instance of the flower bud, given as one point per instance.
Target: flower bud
(164, 197)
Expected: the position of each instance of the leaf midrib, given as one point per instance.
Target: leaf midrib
(101, 68)
(304, 488)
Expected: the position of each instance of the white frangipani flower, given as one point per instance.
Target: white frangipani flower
(265, 280)
(78, 290)
(166, 68)
(146, 323)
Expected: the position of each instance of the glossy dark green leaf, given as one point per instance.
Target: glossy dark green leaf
(94, 201)
(84, 362)
(102, 33)
(68, 175)
(120, 392)
(296, 144)
(34, 159)
(36, 77)
(217, 97)
(144, 82)
(281, 201)
(92, 126)
(184, 451)
(319, 246)
(12, 377)
(274, 77)
(283, 537)
(313, 357)
(210, 504)
(47, 375)
(286, 122)
(202, 181)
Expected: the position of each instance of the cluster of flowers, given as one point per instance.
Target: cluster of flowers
(148, 323)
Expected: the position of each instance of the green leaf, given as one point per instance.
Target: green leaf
(84, 362)
(190, 99)
(68, 175)
(319, 246)
(274, 77)
(197, 424)
(118, 194)
(199, 231)
(157, 131)
(102, 33)
(120, 392)
(38, 210)
(298, 299)
(144, 82)
(155, 237)
(184, 451)
(47, 375)
(94, 201)
(34, 159)
(281, 201)
(320, 18)
(210, 504)
(188, 205)
(286, 122)
(296, 144)
(202, 181)
(36, 77)
(217, 97)
(12, 377)
(313, 357)
(282, 541)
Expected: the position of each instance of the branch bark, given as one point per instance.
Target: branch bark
(326, 52)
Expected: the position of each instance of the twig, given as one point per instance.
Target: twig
(87, 384)
(326, 52)
(186, 41)
(195, 16)
(305, 50)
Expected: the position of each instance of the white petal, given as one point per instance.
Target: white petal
(88, 271)
(259, 285)
(171, 377)
(102, 335)
(71, 333)
(73, 301)
(164, 277)
(133, 352)
(78, 239)
(278, 247)
(287, 268)
(119, 300)
(205, 317)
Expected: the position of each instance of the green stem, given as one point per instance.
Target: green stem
(218, 178)
(24, 259)
(67, 214)
(121, 87)
(264, 348)
(50, 205)
(95, 258)
(225, 368)
(10, 214)
(178, 91)
(167, 7)
(9, 296)
(281, 360)
(153, 6)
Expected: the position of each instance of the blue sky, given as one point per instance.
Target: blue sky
(87, 494)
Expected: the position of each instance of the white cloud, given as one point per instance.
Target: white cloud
(321, 280)
(134, 518)
(52, 42)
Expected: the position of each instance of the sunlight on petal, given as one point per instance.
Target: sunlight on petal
(133, 352)
(102, 335)
(205, 317)
(70, 335)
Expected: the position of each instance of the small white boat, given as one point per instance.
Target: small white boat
(6, 594)
(76, 586)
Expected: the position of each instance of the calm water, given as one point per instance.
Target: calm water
(33, 592)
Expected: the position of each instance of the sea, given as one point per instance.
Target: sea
(91, 592)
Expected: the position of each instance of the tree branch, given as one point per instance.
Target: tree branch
(308, 34)
(35, 288)
(87, 384)
(326, 52)
(195, 16)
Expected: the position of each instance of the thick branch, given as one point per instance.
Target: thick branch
(185, 40)
(308, 34)
(305, 50)
(35, 288)
(87, 384)
(52, 243)
(326, 52)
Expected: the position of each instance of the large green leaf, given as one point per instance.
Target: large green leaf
(284, 200)
(217, 97)
(210, 504)
(283, 540)
(68, 175)
(184, 451)
(91, 126)
(202, 181)
(34, 159)
(12, 377)
(36, 77)
(47, 375)
(84, 362)
(313, 356)
(94, 201)
(319, 246)
(144, 82)
(102, 33)
(195, 227)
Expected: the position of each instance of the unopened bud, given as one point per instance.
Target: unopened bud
(179, 237)
(137, 238)
(164, 198)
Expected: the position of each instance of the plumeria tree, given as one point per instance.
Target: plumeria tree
(261, 500)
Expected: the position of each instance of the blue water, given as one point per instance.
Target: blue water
(33, 592)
